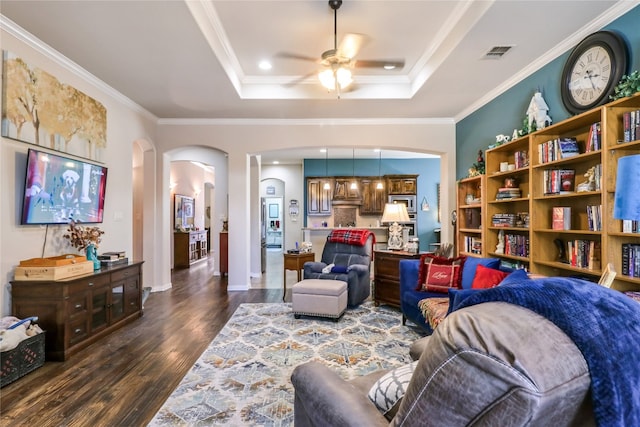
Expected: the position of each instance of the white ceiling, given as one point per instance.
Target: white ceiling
(199, 59)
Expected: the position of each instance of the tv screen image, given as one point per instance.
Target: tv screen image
(59, 189)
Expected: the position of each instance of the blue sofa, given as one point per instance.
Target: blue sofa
(409, 296)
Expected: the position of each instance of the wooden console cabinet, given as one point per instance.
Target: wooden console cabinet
(78, 311)
(386, 268)
(189, 248)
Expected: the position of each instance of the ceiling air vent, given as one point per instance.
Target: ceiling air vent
(497, 52)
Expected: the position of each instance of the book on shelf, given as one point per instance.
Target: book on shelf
(521, 159)
(594, 217)
(558, 181)
(630, 226)
(631, 260)
(110, 255)
(568, 147)
(584, 254)
(508, 193)
(503, 220)
(594, 139)
(631, 125)
(561, 218)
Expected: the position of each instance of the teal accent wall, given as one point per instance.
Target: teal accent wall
(428, 171)
(507, 111)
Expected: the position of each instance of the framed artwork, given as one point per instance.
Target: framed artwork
(183, 212)
(273, 210)
(39, 109)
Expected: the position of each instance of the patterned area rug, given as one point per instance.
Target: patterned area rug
(243, 378)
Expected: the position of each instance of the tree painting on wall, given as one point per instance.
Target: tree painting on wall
(39, 109)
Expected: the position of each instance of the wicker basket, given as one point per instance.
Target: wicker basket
(26, 357)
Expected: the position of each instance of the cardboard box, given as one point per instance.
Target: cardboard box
(54, 261)
(54, 273)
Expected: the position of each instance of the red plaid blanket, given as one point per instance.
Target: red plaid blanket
(351, 236)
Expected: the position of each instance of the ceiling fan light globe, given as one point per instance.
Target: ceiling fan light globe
(344, 77)
(326, 79)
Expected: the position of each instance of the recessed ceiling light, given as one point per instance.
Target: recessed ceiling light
(323, 150)
(264, 65)
(275, 162)
(389, 67)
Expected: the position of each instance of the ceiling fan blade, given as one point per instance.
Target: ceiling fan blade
(300, 79)
(378, 63)
(351, 44)
(296, 56)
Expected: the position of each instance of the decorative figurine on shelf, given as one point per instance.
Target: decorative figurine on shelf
(562, 255)
(502, 139)
(537, 113)
(478, 166)
(500, 245)
(590, 183)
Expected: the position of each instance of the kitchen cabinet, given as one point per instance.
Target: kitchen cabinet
(373, 199)
(318, 198)
(342, 190)
(78, 311)
(402, 184)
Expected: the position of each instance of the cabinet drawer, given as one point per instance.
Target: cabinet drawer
(78, 330)
(387, 266)
(125, 273)
(88, 283)
(77, 306)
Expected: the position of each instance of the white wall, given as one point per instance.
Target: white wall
(126, 123)
(293, 179)
(241, 139)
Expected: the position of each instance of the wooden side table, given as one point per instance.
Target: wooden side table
(386, 268)
(295, 262)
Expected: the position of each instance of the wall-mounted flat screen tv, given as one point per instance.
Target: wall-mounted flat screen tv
(59, 189)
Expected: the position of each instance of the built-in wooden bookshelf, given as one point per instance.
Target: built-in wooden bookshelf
(526, 215)
(470, 234)
(508, 213)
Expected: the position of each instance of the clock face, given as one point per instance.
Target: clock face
(590, 75)
(593, 69)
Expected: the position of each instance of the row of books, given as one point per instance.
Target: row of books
(631, 125)
(516, 245)
(558, 181)
(556, 149)
(630, 226)
(594, 139)
(503, 220)
(594, 217)
(473, 245)
(508, 193)
(521, 159)
(584, 254)
(631, 260)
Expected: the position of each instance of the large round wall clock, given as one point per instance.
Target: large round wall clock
(592, 71)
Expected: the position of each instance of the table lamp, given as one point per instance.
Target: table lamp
(626, 204)
(395, 213)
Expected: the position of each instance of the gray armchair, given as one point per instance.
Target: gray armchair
(490, 364)
(354, 263)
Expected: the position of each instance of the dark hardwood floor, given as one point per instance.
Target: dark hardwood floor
(123, 379)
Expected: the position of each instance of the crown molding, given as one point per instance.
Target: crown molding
(309, 122)
(44, 49)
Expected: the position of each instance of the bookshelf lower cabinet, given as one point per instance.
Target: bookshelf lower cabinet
(76, 312)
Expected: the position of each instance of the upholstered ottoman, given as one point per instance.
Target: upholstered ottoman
(319, 297)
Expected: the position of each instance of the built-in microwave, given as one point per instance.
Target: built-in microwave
(408, 200)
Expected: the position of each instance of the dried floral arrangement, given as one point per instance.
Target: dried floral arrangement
(81, 236)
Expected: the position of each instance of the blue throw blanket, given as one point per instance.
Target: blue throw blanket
(603, 323)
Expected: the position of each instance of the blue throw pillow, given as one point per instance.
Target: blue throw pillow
(469, 268)
(457, 295)
(517, 276)
(339, 269)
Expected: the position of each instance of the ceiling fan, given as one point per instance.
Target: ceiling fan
(338, 62)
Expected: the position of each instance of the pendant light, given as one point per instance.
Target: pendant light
(379, 185)
(354, 184)
(326, 185)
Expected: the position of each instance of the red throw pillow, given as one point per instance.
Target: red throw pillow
(426, 259)
(486, 277)
(440, 277)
